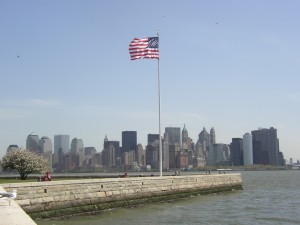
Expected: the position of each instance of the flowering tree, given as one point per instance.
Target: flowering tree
(24, 162)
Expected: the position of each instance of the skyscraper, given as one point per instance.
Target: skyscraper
(152, 156)
(32, 143)
(153, 139)
(61, 144)
(236, 150)
(140, 155)
(187, 142)
(45, 145)
(76, 146)
(184, 136)
(173, 135)
(204, 141)
(90, 151)
(77, 153)
(115, 145)
(218, 155)
(46, 149)
(129, 141)
(266, 147)
(212, 134)
(248, 149)
(12, 148)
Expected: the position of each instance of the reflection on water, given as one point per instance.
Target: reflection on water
(269, 197)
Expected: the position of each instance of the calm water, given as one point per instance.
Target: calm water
(268, 198)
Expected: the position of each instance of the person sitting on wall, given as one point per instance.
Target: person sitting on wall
(123, 176)
(47, 177)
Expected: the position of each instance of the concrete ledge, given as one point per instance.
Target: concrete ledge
(13, 214)
(66, 198)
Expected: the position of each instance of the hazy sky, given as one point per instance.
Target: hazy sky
(232, 65)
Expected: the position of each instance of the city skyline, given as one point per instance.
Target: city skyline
(229, 65)
(175, 135)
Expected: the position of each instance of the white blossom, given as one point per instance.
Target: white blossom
(25, 162)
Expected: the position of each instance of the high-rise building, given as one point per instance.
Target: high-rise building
(184, 136)
(111, 153)
(204, 141)
(152, 156)
(266, 147)
(12, 148)
(165, 152)
(61, 144)
(140, 155)
(116, 145)
(173, 135)
(236, 150)
(212, 135)
(90, 151)
(129, 141)
(218, 155)
(32, 143)
(77, 153)
(76, 146)
(182, 159)
(153, 139)
(174, 150)
(248, 149)
(45, 145)
(186, 140)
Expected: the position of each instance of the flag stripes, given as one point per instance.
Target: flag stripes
(144, 48)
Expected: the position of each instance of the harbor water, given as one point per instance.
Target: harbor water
(268, 197)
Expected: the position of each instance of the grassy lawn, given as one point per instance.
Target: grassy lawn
(9, 180)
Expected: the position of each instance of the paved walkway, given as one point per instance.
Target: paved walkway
(13, 214)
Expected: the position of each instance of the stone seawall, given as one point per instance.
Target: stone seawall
(66, 198)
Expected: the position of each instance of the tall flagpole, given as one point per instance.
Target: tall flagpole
(159, 123)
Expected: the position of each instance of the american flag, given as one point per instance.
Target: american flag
(144, 48)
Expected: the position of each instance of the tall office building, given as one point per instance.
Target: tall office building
(165, 154)
(90, 151)
(174, 150)
(32, 143)
(187, 142)
(109, 153)
(153, 139)
(212, 135)
(45, 145)
(140, 155)
(46, 149)
(266, 147)
(184, 136)
(248, 149)
(116, 148)
(173, 135)
(129, 141)
(77, 152)
(77, 146)
(152, 156)
(12, 148)
(61, 144)
(218, 155)
(204, 140)
(236, 149)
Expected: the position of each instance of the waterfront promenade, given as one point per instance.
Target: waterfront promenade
(69, 197)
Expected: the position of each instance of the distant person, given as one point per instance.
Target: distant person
(47, 177)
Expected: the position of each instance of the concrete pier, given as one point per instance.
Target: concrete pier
(67, 198)
(13, 214)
